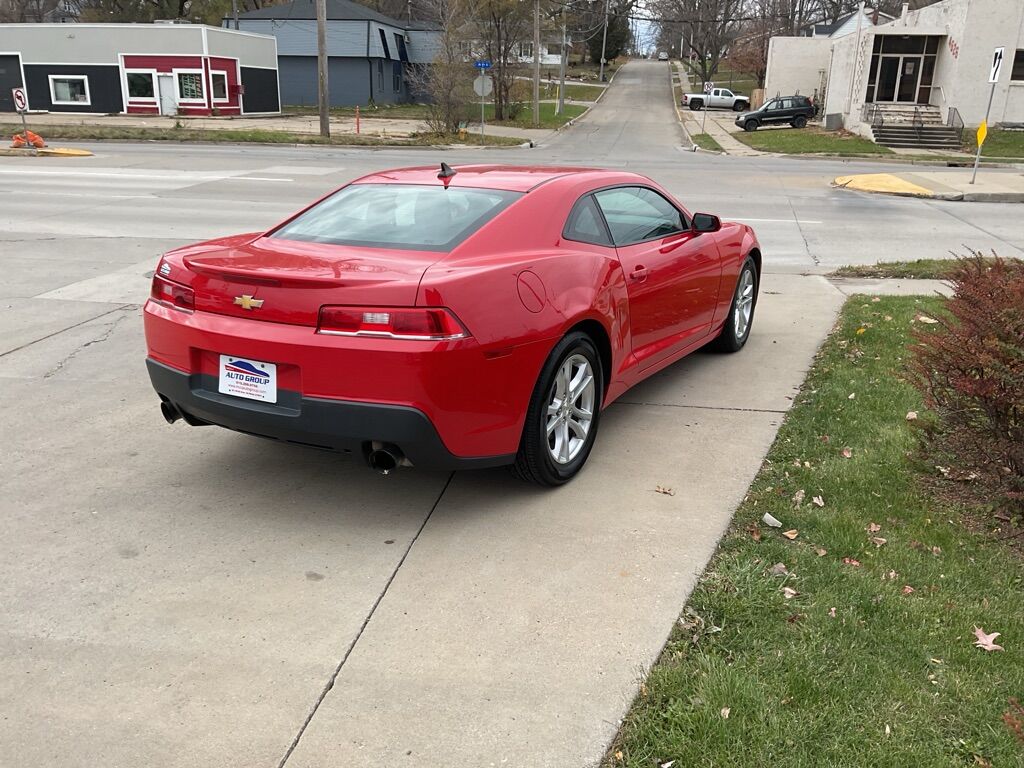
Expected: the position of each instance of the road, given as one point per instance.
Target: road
(181, 597)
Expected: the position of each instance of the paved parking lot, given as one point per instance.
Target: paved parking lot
(191, 597)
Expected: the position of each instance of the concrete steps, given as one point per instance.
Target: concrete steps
(898, 128)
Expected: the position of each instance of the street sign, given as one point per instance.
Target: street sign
(997, 64)
(482, 64)
(20, 100)
(709, 87)
(982, 132)
(483, 85)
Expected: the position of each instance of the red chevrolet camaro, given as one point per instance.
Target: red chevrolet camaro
(472, 317)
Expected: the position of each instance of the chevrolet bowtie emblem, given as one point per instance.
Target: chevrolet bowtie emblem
(248, 302)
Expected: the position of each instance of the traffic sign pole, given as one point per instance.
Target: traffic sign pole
(993, 78)
(483, 65)
(21, 105)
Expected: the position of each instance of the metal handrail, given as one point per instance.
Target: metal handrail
(870, 113)
(918, 122)
(954, 121)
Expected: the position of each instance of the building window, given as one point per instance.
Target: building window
(69, 89)
(140, 85)
(190, 86)
(526, 50)
(396, 76)
(465, 48)
(1017, 73)
(380, 75)
(219, 85)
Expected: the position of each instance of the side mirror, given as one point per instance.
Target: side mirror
(706, 222)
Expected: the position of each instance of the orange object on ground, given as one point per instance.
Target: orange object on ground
(26, 138)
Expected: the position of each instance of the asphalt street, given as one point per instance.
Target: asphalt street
(176, 596)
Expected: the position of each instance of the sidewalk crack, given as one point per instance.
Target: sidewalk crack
(110, 328)
(703, 407)
(373, 609)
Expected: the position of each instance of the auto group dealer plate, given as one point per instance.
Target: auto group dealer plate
(247, 378)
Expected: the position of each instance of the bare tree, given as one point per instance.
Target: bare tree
(445, 82)
(502, 25)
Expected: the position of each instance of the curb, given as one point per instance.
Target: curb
(965, 197)
(573, 121)
(44, 152)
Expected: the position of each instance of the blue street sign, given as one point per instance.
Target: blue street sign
(482, 64)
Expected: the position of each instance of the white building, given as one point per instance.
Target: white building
(902, 82)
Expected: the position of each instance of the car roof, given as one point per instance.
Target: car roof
(506, 177)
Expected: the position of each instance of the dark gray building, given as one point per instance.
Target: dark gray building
(370, 55)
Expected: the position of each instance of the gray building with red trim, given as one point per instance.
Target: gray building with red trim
(139, 69)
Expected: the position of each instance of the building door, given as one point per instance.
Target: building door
(898, 78)
(168, 99)
(10, 77)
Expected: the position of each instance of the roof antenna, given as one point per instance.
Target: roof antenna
(446, 174)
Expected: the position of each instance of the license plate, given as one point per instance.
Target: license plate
(252, 379)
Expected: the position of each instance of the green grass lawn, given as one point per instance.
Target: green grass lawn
(548, 118)
(384, 112)
(999, 143)
(706, 141)
(131, 133)
(796, 141)
(871, 660)
(921, 269)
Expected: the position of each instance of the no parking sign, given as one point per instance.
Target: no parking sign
(20, 100)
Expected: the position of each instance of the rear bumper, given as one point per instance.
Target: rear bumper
(337, 425)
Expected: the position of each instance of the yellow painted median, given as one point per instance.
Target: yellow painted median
(885, 183)
(44, 152)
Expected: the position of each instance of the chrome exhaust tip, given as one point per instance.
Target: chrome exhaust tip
(383, 461)
(170, 413)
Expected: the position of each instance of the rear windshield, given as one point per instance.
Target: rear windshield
(401, 216)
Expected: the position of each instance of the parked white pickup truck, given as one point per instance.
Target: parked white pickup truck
(719, 97)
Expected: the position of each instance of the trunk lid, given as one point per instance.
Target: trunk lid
(293, 279)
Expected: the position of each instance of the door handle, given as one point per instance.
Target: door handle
(639, 273)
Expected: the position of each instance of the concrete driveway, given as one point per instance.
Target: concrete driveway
(191, 597)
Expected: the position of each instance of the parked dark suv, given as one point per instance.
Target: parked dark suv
(795, 110)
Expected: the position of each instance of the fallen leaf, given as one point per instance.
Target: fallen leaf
(791, 534)
(911, 415)
(852, 396)
(878, 541)
(821, 552)
(807, 465)
(907, 589)
(832, 612)
(861, 330)
(664, 490)
(618, 756)
(888, 731)
(780, 569)
(669, 764)
(927, 320)
(851, 561)
(789, 593)
(725, 712)
(874, 528)
(770, 521)
(818, 501)
(824, 438)
(793, 618)
(892, 575)
(798, 497)
(847, 453)
(986, 642)
(936, 551)
(875, 300)
(755, 531)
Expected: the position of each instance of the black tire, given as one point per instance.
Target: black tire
(729, 340)
(799, 121)
(534, 462)
(740, 106)
(750, 126)
(696, 104)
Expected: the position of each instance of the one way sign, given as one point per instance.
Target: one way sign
(997, 64)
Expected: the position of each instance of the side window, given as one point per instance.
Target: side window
(716, 92)
(787, 103)
(636, 214)
(727, 94)
(585, 224)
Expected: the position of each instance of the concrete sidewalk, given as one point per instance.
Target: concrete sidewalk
(706, 121)
(991, 186)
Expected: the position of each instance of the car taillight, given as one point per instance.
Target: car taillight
(427, 324)
(172, 294)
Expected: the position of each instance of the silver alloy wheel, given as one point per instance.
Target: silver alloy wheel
(570, 409)
(744, 304)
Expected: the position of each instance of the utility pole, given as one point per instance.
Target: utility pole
(561, 66)
(234, 12)
(321, 64)
(536, 63)
(604, 41)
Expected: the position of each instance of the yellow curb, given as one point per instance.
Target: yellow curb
(885, 183)
(45, 152)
